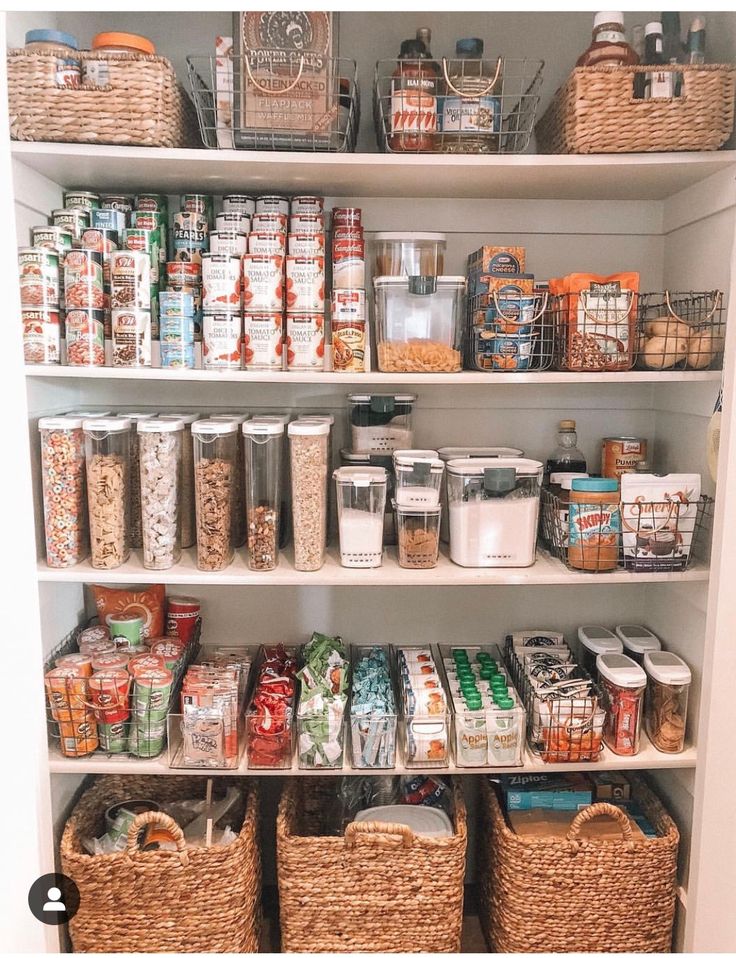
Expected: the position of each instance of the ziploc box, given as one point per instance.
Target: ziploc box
(567, 792)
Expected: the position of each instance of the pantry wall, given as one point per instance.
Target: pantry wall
(680, 239)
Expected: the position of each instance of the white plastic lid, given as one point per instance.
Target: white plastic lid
(254, 427)
(66, 422)
(475, 467)
(599, 640)
(479, 452)
(160, 425)
(186, 417)
(366, 397)
(564, 479)
(638, 639)
(653, 27)
(410, 237)
(415, 509)
(361, 475)
(138, 416)
(309, 427)
(380, 281)
(106, 424)
(319, 416)
(407, 456)
(621, 670)
(214, 427)
(601, 18)
(231, 417)
(283, 418)
(89, 413)
(667, 668)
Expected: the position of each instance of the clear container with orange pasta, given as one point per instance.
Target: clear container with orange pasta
(419, 323)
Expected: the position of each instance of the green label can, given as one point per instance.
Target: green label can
(126, 629)
(146, 241)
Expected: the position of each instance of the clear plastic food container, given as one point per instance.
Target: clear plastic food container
(419, 475)
(238, 513)
(188, 518)
(381, 422)
(160, 460)
(361, 503)
(419, 323)
(469, 452)
(269, 718)
(622, 684)
(64, 498)
(594, 641)
(215, 457)
(409, 254)
(665, 709)
(637, 640)
(417, 535)
(494, 510)
(348, 458)
(309, 451)
(107, 456)
(135, 533)
(424, 717)
(373, 713)
(263, 445)
(285, 523)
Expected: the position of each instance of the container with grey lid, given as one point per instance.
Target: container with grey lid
(594, 641)
(637, 641)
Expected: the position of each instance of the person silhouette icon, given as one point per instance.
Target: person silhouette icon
(54, 903)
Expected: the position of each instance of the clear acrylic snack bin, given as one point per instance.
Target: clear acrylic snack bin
(380, 423)
(207, 742)
(160, 444)
(373, 712)
(469, 452)
(64, 491)
(270, 724)
(361, 504)
(424, 716)
(665, 700)
(488, 718)
(263, 445)
(215, 472)
(419, 323)
(494, 511)
(107, 457)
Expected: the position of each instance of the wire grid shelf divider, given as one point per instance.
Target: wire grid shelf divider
(282, 106)
(502, 95)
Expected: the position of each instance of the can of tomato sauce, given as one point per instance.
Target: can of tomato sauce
(222, 334)
(182, 617)
(306, 244)
(38, 268)
(307, 204)
(263, 281)
(85, 337)
(83, 280)
(221, 283)
(307, 223)
(272, 204)
(232, 221)
(305, 341)
(620, 454)
(305, 284)
(270, 223)
(262, 340)
(41, 336)
(267, 244)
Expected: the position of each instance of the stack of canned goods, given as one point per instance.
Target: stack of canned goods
(263, 284)
(305, 285)
(348, 300)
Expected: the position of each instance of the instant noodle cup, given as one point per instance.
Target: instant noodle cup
(145, 660)
(67, 693)
(81, 663)
(110, 660)
(108, 695)
(151, 694)
(170, 649)
(78, 735)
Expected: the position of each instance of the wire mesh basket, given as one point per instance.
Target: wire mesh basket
(681, 330)
(109, 712)
(280, 103)
(456, 106)
(509, 332)
(646, 536)
(595, 330)
(565, 718)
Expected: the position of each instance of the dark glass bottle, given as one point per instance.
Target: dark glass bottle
(566, 457)
(413, 105)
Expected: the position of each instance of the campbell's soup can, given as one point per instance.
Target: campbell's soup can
(307, 223)
(269, 223)
(305, 341)
(234, 244)
(221, 284)
(306, 244)
(267, 244)
(348, 263)
(75, 220)
(307, 204)
(85, 337)
(58, 238)
(305, 284)
(38, 271)
(346, 216)
(190, 236)
(81, 200)
(201, 203)
(182, 616)
(131, 337)
(620, 454)
(130, 280)
(41, 336)
(222, 335)
(152, 201)
(272, 204)
(262, 340)
(233, 221)
(263, 279)
(83, 279)
(239, 202)
(117, 201)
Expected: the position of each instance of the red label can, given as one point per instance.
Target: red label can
(182, 617)
(346, 216)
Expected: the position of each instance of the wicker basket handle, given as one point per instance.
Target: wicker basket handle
(596, 811)
(379, 833)
(265, 90)
(165, 821)
(467, 96)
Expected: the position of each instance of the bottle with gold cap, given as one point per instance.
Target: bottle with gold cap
(566, 457)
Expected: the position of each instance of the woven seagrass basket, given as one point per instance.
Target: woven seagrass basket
(190, 900)
(539, 895)
(377, 888)
(594, 111)
(141, 104)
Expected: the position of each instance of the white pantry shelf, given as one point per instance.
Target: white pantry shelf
(545, 571)
(651, 176)
(155, 374)
(103, 764)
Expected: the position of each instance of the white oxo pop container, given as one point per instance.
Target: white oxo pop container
(418, 475)
(637, 641)
(622, 684)
(665, 709)
(361, 501)
(594, 641)
(494, 508)
(469, 452)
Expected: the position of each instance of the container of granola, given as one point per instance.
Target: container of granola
(419, 323)
(309, 457)
(107, 457)
(215, 452)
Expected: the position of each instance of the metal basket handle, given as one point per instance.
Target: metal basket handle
(467, 96)
(596, 811)
(511, 319)
(379, 833)
(717, 298)
(165, 821)
(265, 90)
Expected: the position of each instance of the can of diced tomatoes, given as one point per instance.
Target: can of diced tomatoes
(221, 284)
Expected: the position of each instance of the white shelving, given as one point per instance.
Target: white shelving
(545, 571)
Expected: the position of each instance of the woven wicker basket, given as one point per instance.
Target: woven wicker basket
(594, 111)
(378, 888)
(539, 895)
(191, 900)
(142, 105)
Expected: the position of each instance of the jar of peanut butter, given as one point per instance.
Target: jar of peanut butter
(595, 525)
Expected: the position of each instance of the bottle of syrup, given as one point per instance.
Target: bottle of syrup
(414, 85)
(566, 457)
(609, 43)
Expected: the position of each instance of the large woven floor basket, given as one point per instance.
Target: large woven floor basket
(595, 111)
(190, 900)
(377, 888)
(141, 104)
(541, 895)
